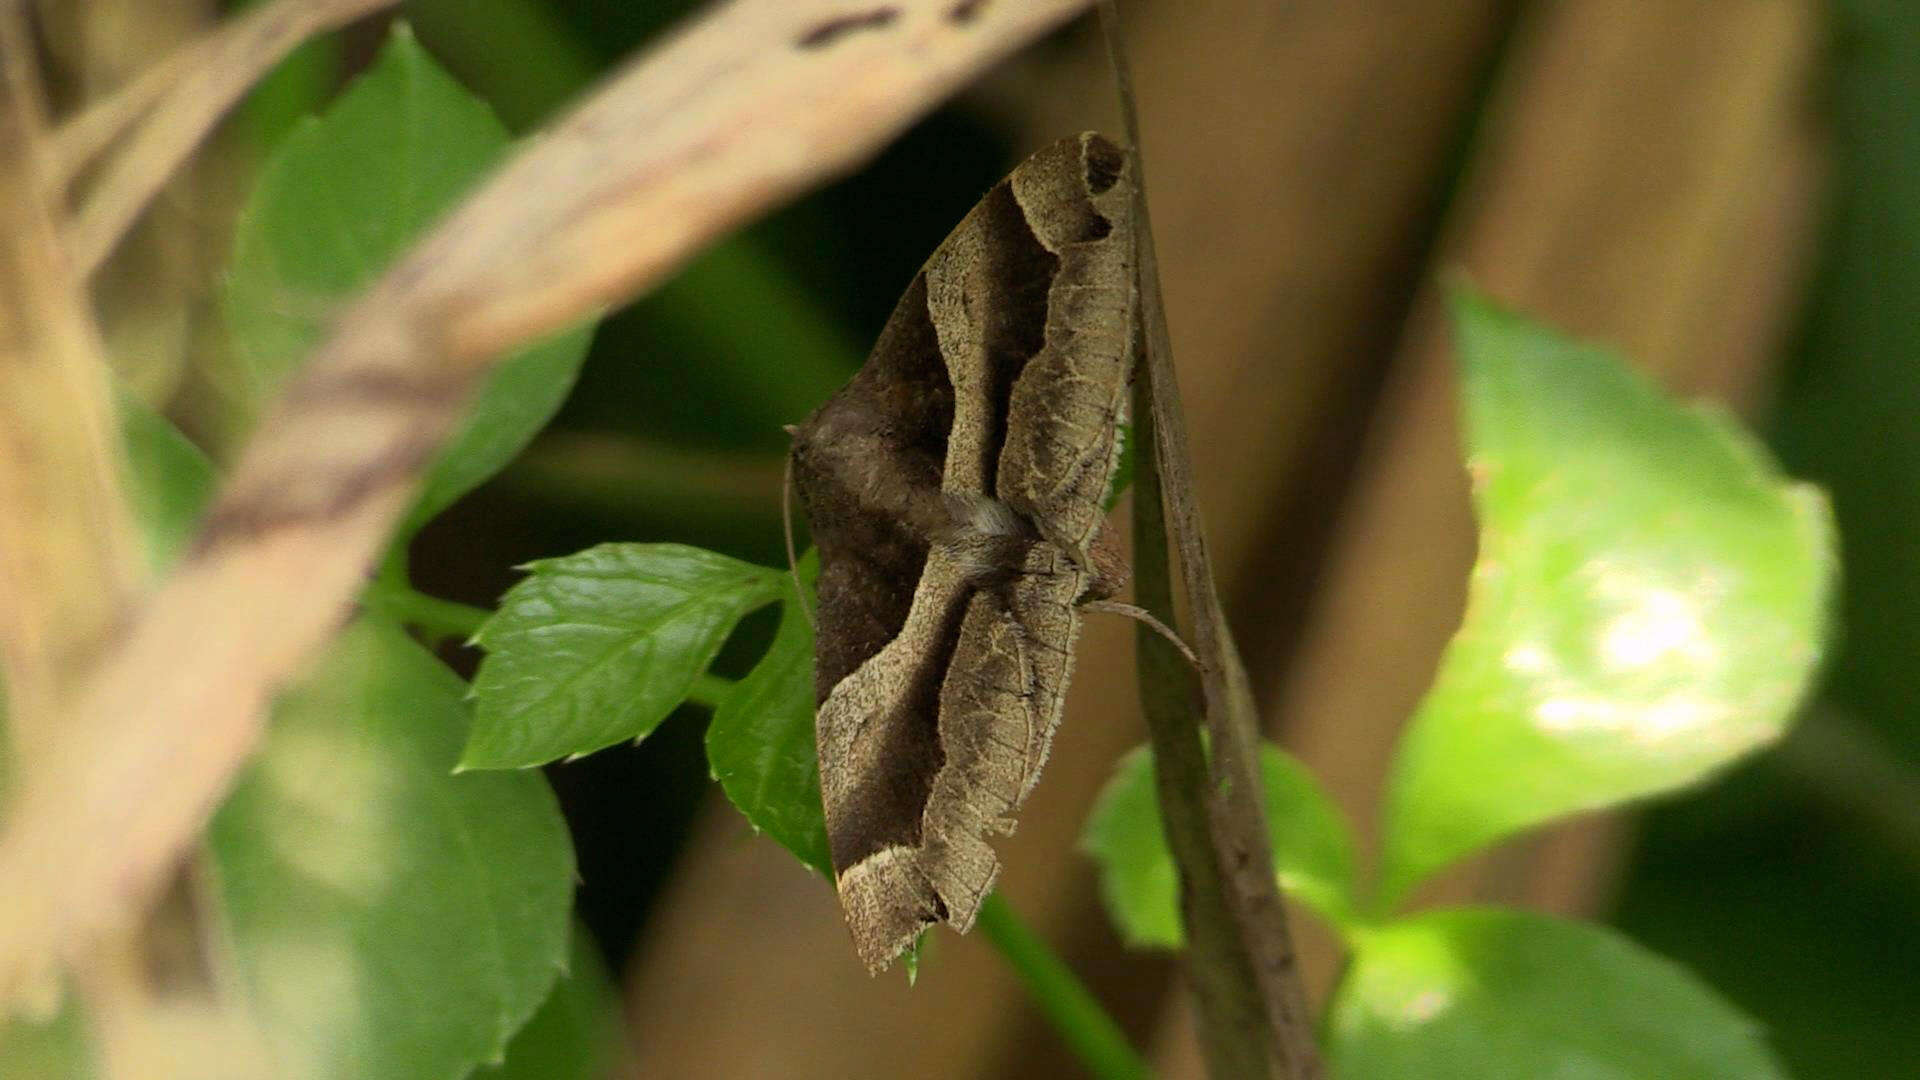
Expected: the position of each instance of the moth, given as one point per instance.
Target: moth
(954, 487)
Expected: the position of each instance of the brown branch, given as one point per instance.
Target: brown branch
(82, 138)
(190, 91)
(1253, 958)
(1235, 1035)
(757, 101)
(68, 558)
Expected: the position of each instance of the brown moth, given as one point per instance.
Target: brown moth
(954, 488)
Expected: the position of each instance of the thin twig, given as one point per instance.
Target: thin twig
(739, 111)
(1229, 1010)
(1235, 818)
(223, 65)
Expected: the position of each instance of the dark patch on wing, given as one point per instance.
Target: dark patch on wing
(884, 808)
(833, 30)
(863, 462)
(1011, 287)
(966, 11)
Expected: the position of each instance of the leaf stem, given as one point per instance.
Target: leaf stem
(708, 689)
(439, 618)
(1093, 1035)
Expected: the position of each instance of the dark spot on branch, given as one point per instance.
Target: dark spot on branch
(295, 500)
(966, 11)
(375, 388)
(834, 29)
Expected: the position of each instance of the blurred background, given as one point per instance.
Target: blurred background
(1726, 190)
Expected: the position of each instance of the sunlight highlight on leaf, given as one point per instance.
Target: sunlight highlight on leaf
(1649, 603)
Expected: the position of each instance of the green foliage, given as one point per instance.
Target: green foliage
(170, 481)
(1476, 994)
(1312, 848)
(389, 918)
(1648, 604)
(760, 743)
(598, 647)
(384, 916)
(339, 200)
(51, 1049)
(576, 1035)
(1123, 471)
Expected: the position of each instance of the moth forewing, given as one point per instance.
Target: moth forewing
(954, 489)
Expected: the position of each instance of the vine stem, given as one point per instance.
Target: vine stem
(438, 618)
(1088, 1030)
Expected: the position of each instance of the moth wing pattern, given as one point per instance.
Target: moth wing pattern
(954, 487)
(1062, 443)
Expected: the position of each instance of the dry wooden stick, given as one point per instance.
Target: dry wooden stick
(82, 138)
(68, 557)
(1242, 868)
(190, 96)
(755, 102)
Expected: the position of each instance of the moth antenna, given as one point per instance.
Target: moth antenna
(1140, 614)
(786, 526)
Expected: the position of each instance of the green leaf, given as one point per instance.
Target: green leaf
(1649, 602)
(170, 480)
(337, 202)
(577, 1034)
(389, 918)
(1505, 995)
(598, 647)
(760, 743)
(1312, 848)
(1123, 469)
(52, 1049)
